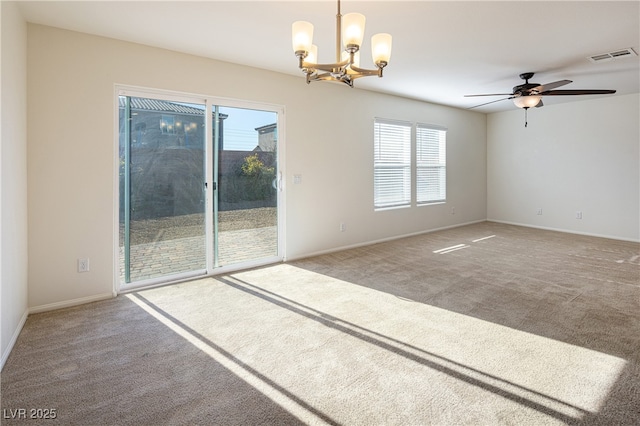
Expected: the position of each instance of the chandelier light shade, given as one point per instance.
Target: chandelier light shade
(302, 35)
(349, 37)
(526, 101)
(381, 47)
(353, 29)
(312, 55)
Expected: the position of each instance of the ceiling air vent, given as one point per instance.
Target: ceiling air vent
(617, 54)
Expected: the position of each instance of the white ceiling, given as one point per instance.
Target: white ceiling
(441, 50)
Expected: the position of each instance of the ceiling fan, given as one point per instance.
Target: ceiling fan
(529, 95)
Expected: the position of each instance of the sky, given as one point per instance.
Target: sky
(240, 125)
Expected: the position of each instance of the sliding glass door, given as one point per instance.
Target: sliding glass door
(247, 172)
(162, 198)
(195, 195)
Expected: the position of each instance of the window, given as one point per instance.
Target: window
(392, 164)
(431, 164)
(167, 124)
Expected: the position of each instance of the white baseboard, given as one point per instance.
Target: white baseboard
(382, 240)
(70, 303)
(14, 338)
(566, 231)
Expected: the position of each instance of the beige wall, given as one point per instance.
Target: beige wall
(71, 155)
(579, 156)
(13, 176)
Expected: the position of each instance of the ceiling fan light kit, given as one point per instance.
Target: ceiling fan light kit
(527, 101)
(349, 33)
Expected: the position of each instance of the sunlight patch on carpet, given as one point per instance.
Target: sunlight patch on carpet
(348, 350)
(266, 387)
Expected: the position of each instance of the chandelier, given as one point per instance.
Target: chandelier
(349, 33)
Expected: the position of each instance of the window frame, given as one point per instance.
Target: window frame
(440, 164)
(412, 193)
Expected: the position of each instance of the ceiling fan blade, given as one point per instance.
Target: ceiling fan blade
(487, 103)
(549, 86)
(490, 94)
(576, 92)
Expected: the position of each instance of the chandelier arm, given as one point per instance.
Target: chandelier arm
(337, 67)
(312, 75)
(362, 72)
(346, 79)
(322, 77)
(357, 76)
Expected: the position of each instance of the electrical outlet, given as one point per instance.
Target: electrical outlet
(578, 215)
(343, 227)
(83, 265)
(539, 211)
(453, 210)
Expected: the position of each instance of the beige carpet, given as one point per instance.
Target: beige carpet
(487, 324)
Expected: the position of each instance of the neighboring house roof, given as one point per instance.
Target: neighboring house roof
(156, 105)
(265, 128)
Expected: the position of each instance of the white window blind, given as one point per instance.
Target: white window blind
(392, 164)
(431, 164)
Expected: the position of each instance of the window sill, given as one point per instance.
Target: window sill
(434, 203)
(382, 209)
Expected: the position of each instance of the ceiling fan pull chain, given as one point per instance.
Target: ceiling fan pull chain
(525, 117)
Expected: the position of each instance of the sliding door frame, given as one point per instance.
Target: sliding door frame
(211, 184)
